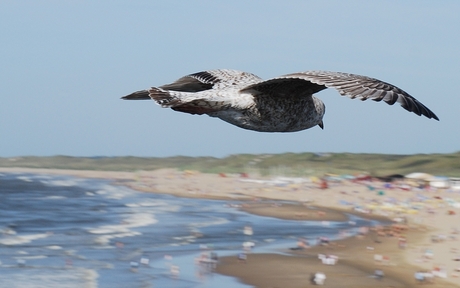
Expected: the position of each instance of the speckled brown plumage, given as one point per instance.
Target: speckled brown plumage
(281, 104)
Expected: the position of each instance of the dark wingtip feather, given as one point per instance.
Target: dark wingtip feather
(414, 106)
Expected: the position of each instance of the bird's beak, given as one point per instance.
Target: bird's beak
(321, 124)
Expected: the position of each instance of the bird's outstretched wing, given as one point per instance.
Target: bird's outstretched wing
(350, 85)
(200, 81)
(206, 80)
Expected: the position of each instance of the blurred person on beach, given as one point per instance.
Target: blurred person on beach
(379, 274)
(319, 278)
(419, 277)
(242, 257)
(175, 271)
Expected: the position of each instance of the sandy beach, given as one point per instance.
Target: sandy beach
(423, 236)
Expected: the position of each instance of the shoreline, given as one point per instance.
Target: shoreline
(305, 203)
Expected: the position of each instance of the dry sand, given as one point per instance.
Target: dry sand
(356, 255)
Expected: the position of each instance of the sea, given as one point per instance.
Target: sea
(64, 231)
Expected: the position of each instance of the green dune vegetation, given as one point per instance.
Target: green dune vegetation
(287, 164)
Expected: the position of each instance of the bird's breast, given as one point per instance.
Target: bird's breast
(271, 114)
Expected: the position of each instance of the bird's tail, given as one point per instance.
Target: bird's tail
(138, 95)
(163, 98)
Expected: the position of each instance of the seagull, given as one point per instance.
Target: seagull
(282, 104)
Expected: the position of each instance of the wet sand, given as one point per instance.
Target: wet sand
(303, 211)
(293, 211)
(355, 266)
(356, 255)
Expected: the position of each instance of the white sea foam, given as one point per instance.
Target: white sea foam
(40, 176)
(7, 231)
(22, 239)
(215, 221)
(70, 252)
(55, 197)
(153, 203)
(25, 178)
(37, 278)
(136, 220)
(185, 238)
(74, 254)
(123, 229)
(105, 239)
(160, 206)
(30, 257)
(132, 205)
(54, 247)
(61, 183)
(101, 192)
(114, 192)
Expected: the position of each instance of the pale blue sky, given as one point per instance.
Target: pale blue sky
(65, 65)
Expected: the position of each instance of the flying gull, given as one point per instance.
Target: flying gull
(281, 104)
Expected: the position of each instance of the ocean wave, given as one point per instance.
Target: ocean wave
(22, 239)
(160, 206)
(114, 192)
(54, 247)
(132, 205)
(8, 231)
(187, 239)
(153, 203)
(124, 228)
(30, 257)
(166, 208)
(105, 239)
(214, 221)
(24, 178)
(61, 182)
(43, 277)
(55, 197)
(134, 221)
